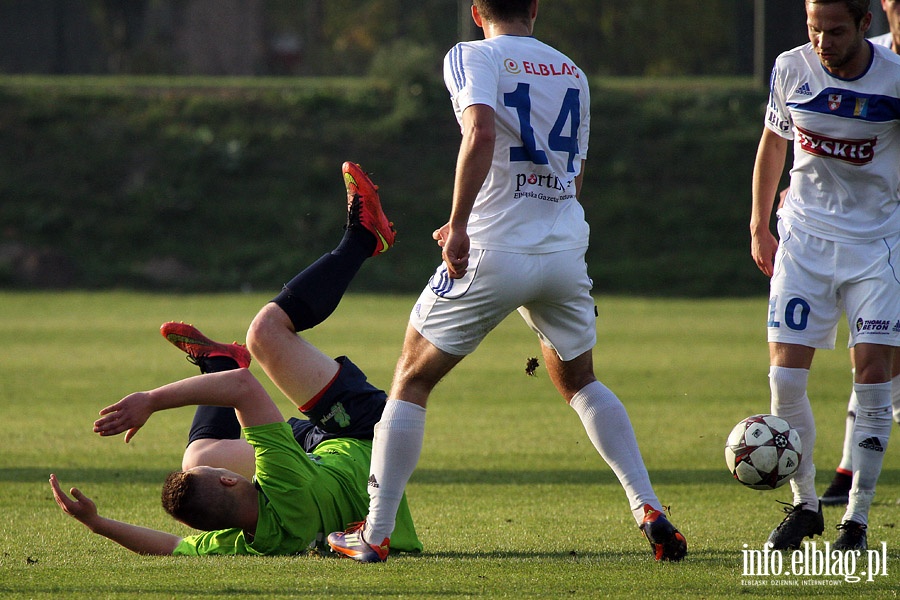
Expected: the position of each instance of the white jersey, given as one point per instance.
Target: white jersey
(886, 40)
(542, 113)
(846, 134)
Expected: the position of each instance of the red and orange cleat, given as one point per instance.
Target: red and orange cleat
(198, 347)
(364, 207)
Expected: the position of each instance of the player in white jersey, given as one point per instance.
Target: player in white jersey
(516, 240)
(839, 227)
(838, 491)
(891, 39)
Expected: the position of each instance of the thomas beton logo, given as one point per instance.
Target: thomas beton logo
(813, 564)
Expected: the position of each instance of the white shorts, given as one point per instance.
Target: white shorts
(551, 291)
(815, 280)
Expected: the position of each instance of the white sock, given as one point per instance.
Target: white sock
(790, 402)
(846, 463)
(895, 395)
(395, 452)
(609, 429)
(870, 440)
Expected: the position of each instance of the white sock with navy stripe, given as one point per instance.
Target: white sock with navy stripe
(609, 429)
(790, 402)
(870, 439)
(395, 452)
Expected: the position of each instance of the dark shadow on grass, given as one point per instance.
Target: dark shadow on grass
(589, 476)
(79, 475)
(569, 477)
(429, 476)
(712, 557)
(601, 476)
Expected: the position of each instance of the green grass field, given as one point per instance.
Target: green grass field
(510, 498)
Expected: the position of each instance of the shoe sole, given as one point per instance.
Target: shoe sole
(357, 556)
(364, 557)
(191, 336)
(344, 542)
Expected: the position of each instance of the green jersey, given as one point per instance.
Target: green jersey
(302, 497)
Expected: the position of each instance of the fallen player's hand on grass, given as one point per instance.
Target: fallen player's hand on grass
(82, 507)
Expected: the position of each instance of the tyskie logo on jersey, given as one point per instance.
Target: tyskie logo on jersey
(857, 152)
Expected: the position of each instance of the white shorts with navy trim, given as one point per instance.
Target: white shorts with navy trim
(551, 291)
(816, 280)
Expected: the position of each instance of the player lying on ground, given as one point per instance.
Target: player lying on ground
(293, 498)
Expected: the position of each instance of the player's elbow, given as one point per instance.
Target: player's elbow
(481, 136)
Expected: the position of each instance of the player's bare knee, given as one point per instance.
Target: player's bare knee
(874, 372)
(411, 382)
(414, 378)
(263, 326)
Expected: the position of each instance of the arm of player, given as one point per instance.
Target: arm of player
(579, 180)
(137, 539)
(476, 154)
(770, 157)
(237, 388)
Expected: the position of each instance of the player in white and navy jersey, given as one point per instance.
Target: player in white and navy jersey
(885, 39)
(837, 99)
(891, 10)
(838, 491)
(515, 241)
(541, 107)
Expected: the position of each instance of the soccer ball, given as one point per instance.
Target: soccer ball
(763, 452)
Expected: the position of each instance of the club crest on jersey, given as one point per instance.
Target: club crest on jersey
(834, 101)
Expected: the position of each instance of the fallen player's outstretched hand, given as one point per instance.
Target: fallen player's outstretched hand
(128, 414)
(82, 507)
(137, 539)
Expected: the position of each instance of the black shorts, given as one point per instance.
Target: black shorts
(350, 407)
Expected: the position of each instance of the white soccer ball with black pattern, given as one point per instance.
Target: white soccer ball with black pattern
(763, 452)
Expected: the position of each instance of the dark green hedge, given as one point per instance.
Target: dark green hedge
(226, 185)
